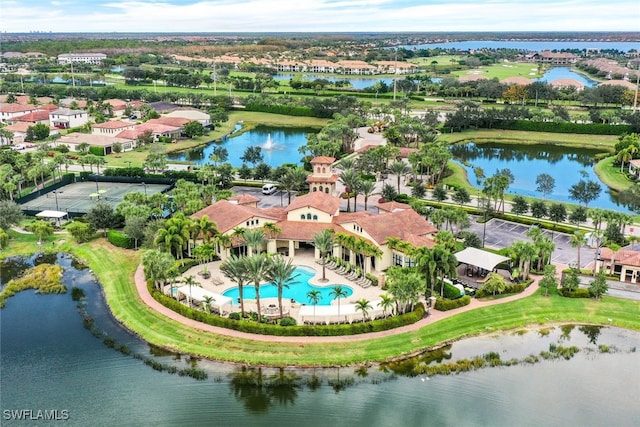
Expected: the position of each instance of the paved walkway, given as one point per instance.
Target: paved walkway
(435, 316)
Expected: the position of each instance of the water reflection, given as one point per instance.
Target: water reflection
(259, 391)
(567, 165)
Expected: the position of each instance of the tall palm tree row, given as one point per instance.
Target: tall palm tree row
(324, 242)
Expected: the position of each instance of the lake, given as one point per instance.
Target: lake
(556, 73)
(50, 362)
(529, 46)
(526, 162)
(279, 145)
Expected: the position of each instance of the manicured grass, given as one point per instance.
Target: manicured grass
(611, 176)
(600, 142)
(126, 306)
(504, 70)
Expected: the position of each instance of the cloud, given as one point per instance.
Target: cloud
(318, 15)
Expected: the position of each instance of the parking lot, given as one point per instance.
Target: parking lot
(500, 234)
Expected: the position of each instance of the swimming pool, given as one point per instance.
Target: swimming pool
(297, 290)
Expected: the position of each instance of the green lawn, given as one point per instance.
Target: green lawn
(611, 175)
(504, 70)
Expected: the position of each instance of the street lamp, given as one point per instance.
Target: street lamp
(55, 193)
(145, 188)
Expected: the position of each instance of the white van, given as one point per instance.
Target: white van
(269, 189)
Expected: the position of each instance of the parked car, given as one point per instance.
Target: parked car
(18, 147)
(268, 189)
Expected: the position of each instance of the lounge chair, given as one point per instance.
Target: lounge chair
(217, 281)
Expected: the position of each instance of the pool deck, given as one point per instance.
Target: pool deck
(218, 283)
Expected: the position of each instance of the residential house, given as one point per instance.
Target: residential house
(74, 139)
(192, 114)
(112, 127)
(66, 118)
(9, 111)
(623, 263)
(33, 118)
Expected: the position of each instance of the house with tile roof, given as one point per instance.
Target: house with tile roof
(623, 263)
(66, 118)
(309, 214)
(33, 118)
(112, 127)
(9, 111)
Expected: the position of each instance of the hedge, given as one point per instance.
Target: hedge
(578, 293)
(119, 239)
(305, 330)
(564, 127)
(96, 151)
(282, 109)
(450, 304)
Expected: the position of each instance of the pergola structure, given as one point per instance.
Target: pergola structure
(481, 259)
(56, 215)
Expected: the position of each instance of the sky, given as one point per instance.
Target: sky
(318, 15)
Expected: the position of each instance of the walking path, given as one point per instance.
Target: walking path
(435, 316)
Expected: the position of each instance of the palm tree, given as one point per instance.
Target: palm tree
(234, 269)
(338, 292)
(367, 188)
(577, 240)
(281, 273)
(254, 238)
(349, 178)
(314, 296)
(271, 230)
(190, 281)
(258, 267)
(399, 168)
(364, 306)
(623, 157)
(545, 248)
(207, 301)
(207, 228)
(386, 303)
(323, 241)
(224, 242)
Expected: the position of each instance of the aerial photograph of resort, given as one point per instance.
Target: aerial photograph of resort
(380, 213)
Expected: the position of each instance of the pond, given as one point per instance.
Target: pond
(526, 162)
(279, 145)
(51, 362)
(556, 73)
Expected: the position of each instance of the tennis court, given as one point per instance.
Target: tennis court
(79, 197)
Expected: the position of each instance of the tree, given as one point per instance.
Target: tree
(193, 129)
(323, 241)
(134, 227)
(571, 280)
(252, 154)
(157, 266)
(399, 168)
(549, 280)
(389, 192)
(585, 191)
(363, 306)
(495, 284)
(439, 193)
(539, 209)
(190, 281)
(519, 205)
(258, 268)
(41, 229)
(37, 132)
(461, 196)
(338, 292)
(81, 231)
(281, 274)
(368, 187)
(545, 184)
(233, 268)
(557, 213)
(254, 238)
(10, 214)
(599, 286)
(101, 217)
(314, 296)
(578, 215)
(386, 304)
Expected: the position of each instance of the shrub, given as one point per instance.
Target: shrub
(578, 293)
(450, 304)
(288, 321)
(96, 151)
(76, 293)
(234, 316)
(119, 239)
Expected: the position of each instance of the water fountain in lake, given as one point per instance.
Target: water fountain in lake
(269, 144)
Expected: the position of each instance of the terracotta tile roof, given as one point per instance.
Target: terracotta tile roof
(112, 124)
(567, 82)
(18, 127)
(130, 134)
(418, 241)
(156, 128)
(117, 104)
(625, 83)
(517, 80)
(36, 116)
(294, 230)
(171, 121)
(322, 179)
(322, 160)
(317, 200)
(392, 206)
(399, 224)
(17, 108)
(244, 199)
(49, 107)
(227, 215)
(345, 217)
(622, 257)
